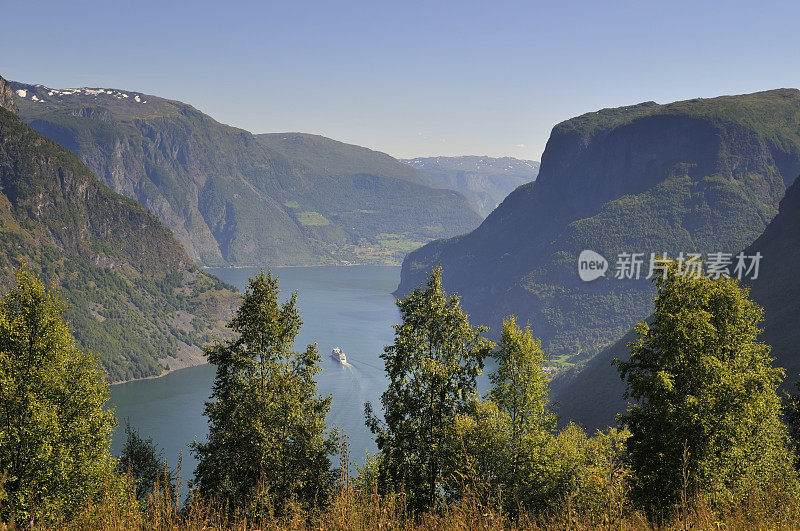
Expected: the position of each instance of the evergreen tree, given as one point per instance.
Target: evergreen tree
(706, 412)
(520, 389)
(54, 429)
(144, 461)
(432, 367)
(267, 444)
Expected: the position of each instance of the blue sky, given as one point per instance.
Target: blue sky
(407, 78)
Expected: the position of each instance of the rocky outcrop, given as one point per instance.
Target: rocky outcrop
(7, 97)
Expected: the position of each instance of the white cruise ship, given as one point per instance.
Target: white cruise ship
(338, 355)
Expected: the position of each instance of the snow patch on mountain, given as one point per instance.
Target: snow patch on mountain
(43, 92)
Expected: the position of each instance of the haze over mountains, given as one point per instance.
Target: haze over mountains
(484, 181)
(134, 297)
(234, 198)
(701, 175)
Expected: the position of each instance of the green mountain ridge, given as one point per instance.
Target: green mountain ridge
(702, 175)
(322, 156)
(134, 296)
(484, 181)
(593, 396)
(234, 198)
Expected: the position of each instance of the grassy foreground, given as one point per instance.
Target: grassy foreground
(356, 509)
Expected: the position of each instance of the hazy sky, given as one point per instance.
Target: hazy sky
(408, 78)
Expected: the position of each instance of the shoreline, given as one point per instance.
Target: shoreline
(156, 376)
(206, 268)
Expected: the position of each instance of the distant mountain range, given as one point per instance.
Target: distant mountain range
(484, 181)
(701, 175)
(231, 197)
(133, 295)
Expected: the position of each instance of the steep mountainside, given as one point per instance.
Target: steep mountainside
(484, 181)
(694, 176)
(135, 298)
(777, 287)
(594, 395)
(230, 197)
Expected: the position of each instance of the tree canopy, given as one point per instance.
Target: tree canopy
(432, 369)
(705, 414)
(54, 430)
(267, 442)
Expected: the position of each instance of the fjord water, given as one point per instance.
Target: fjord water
(348, 307)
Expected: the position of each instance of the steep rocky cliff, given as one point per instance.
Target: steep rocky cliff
(233, 198)
(7, 97)
(134, 297)
(701, 175)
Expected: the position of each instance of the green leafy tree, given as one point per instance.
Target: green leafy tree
(432, 367)
(705, 416)
(479, 463)
(588, 476)
(54, 429)
(520, 389)
(267, 443)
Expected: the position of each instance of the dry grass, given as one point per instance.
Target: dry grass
(351, 509)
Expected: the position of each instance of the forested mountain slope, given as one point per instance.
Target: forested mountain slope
(134, 297)
(594, 395)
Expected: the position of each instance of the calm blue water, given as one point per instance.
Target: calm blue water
(347, 307)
